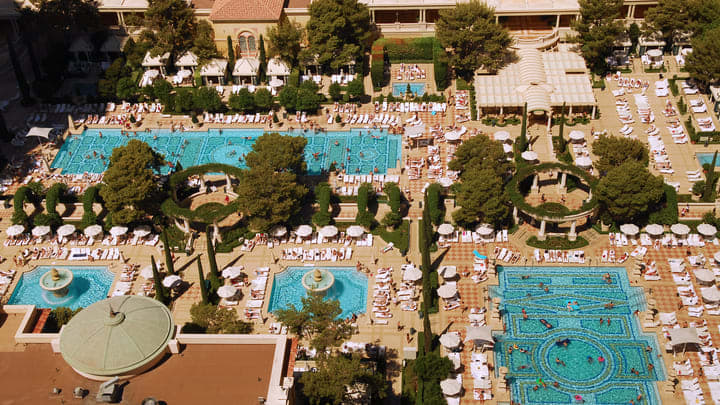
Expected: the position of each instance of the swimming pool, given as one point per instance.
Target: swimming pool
(90, 284)
(361, 151)
(350, 289)
(399, 89)
(599, 359)
(706, 158)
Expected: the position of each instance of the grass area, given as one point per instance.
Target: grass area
(557, 243)
(555, 208)
(176, 238)
(231, 239)
(400, 237)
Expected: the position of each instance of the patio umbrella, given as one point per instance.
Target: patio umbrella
(447, 291)
(629, 229)
(141, 231)
(450, 386)
(704, 275)
(226, 291)
(146, 272)
(41, 230)
(716, 256)
(577, 135)
(484, 229)
(707, 230)
(583, 161)
(655, 53)
(448, 271)
(412, 274)
(501, 136)
(507, 148)
(452, 136)
(303, 231)
(15, 230)
(93, 231)
(231, 272)
(355, 231)
(710, 294)
(445, 229)
(457, 363)
(654, 229)
(445, 181)
(118, 230)
(529, 155)
(329, 231)
(170, 280)
(66, 230)
(680, 229)
(278, 231)
(450, 340)
(276, 82)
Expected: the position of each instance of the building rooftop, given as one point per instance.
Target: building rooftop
(248, 10)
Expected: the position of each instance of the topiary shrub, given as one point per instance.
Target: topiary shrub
(436, 203)
(88, 199)
(364, 217)
(393, 218)
(322, 194)
(19, 217)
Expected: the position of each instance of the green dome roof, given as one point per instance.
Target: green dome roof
(117, 335)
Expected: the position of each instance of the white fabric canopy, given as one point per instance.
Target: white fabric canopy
(412, 274)
(479, 334)
(329, 231)
(118, 230)
(502, 136)
(704, 275)
(146, 272)
(484, 229)
(15, 230)
(629, 229)
(450, 340)
(447, 290)
(445, 229)
(246, 67)
(577, 135)
(170, 280)
(680, 336)
(450, 386)
(142, 230)
(529, 155)
(93, 231)
(706, 230)
(452, 136)
(445, 181)
(654, 229)
(39, 132)
(680, 229)
(66, 230)
(448, 271)
(276, 82)
(231, 272)
(41, 230)
(583, 161)
(415, 131)
(303, 231)
(188, 59)
(226, 291)
(159, 60)
(355, 231)
(214, 68)
(276, 67)
(655, 53)
(507, 148)
(278, 231)
(710, 294)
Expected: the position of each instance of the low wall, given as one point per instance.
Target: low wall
(24, 333)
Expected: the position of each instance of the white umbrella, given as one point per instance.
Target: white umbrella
(355, 231)
(66, 230)
(529, 155)
(716, 256)
(583, 161)
(231, 272)
(710, 294)
(41, 230)
(450, 340)
(448, 271)
(706, 230)
(226, 291)
(445, 229)
(303, 231)
(93, 231)
(146, 272)
(501, 136)
(452, 136)
(654, 229)
(450, 386)
(655, 53)
(680, 229)
(507, 148)
(118, 230)
(329, 231)
(412, 274)
(276, 82)
(457, 363)
(447, 291)
(278, 231)
(577, 135)
(484, 229)
(170, 280)
(15, 230)
(142, 230)
(445, 181)
(629, 229)
(704, 275)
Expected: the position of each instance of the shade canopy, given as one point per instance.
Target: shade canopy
(529, 155)
(226, 291)
(118, 230)
(170, 280)
(276, 82)
(716, 256)
(447, 290)
(214, 68)
(415, 131)
(278, 231)
(246, 67)
(142, 230)
(450, 340)
(629, 229)
(232, 272)
(355, 231)
(445, 181)
(329, 231)
(450, 386)
(39, 132)
(448, 271)
(277, 67)
(15, 230)
(303, 231)
(41, 230)
(583, 161)
(655, 229)
(412, 274)
(93, 231)
(501, 136)
(452, 136)
(66, 230)
(479, 334)
(706, 230)
(577, 135)
(683, 336)
(188, 59)
(655, 53)
(484, 229)
(507, 148)
(704, 275)
(117, 336)
(147, 272)
(445, 229)
(710, 294)
(680, 229)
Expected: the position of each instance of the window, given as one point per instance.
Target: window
(246, 44)
(242, 45)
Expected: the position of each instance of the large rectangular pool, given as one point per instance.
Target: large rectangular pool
(359, 151)
(575, 346)
(89, 284)
(399, 89)
(706, 158)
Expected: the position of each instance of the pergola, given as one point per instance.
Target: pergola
(246, 68)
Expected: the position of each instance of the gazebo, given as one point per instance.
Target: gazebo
(246, 69)
(188, 61)
(213, 72)
(277, 69)
(158, 62)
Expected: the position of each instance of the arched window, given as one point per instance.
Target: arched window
(251, 44)
(246, 44)
(242, 45)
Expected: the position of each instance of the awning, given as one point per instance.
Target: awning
(710, 294)
(655, 229)
(40, 132)
(445, 229)
(479, 334)
(683, 336)
(680, 229)
(629, 229)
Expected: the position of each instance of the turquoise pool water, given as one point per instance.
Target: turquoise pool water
(350, 289)
(361, 151)
(706, 158)
(400, 88)
(90, 284)
(621, 343)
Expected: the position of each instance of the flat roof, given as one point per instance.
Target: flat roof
(202, 373)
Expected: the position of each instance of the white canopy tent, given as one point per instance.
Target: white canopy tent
(276, 68)
(187, 60)
(214, 69)
(246, 68)
(479, 335)
(684, 337)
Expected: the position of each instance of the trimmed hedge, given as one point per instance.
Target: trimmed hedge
(557, 243)
(322, 194)
(400, 237)
(178, 177)
(436, 203)
(88, 199)
(377, 66)
(364, 217)
(440, 67)
(393, 218)
(19, 217)
(51, 217)
(415, 50)
(668, 212)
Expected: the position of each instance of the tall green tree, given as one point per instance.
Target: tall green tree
(339, 379)
(285, 39)
(561, 135)
(169, 264)
(666, 20)
(597, 30)
(204, 293)
(481, 152)
(710, 181)
(432, 368)
(263, 99)
(243, 100)
(482, 198)
(317, 320)
(174, 24)
(270, 197)
(613, 151)
(129, 182)
(475, 40)
(262, 57)
(214, 272)
(209, 318)
(426, 240)
(703, 15)
(204, 42)
(339, 31)
(161, 293)
(521, 143)
(279, 152)
(703, 63)
(67, 17)
(628, 192)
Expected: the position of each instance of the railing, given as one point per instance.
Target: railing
(407, 27)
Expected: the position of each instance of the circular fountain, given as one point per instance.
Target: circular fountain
(318, 280)
(57, 281)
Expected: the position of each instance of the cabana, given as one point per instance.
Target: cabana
(246, 69)
(39, 132)
(683, 337)
(213, 72)
(277, 70)
(158, 62)
(188, 61)
(479, 335)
